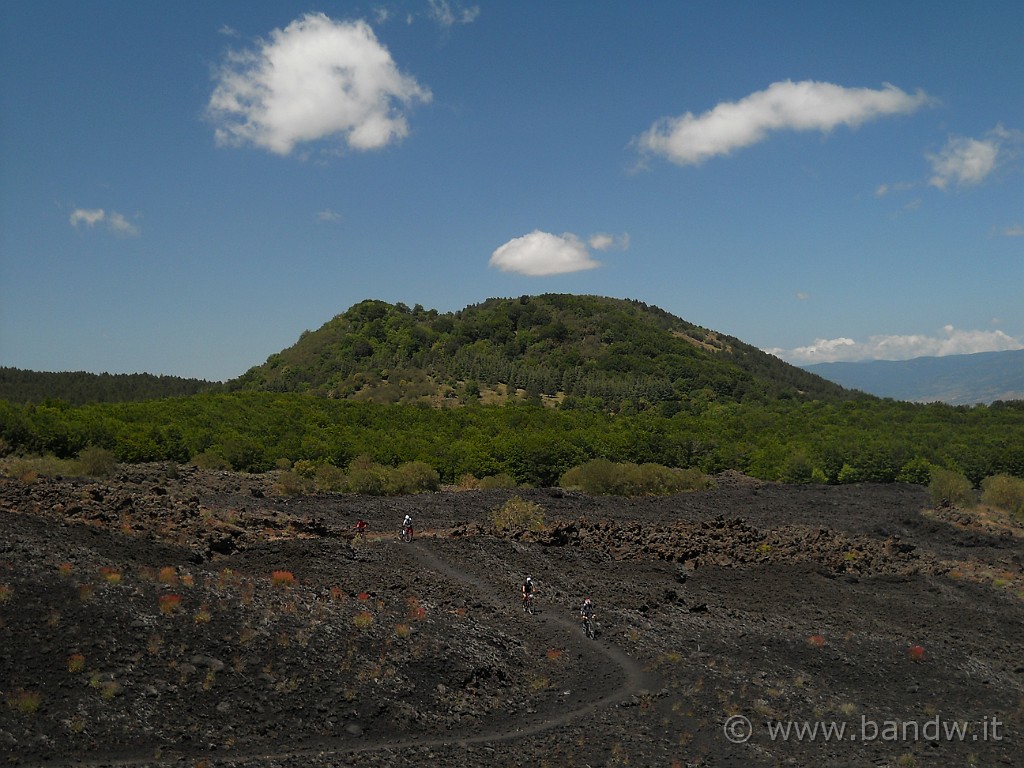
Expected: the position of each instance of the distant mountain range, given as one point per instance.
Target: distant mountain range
(984, 377)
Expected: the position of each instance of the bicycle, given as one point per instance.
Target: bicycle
(528, 604)
(590, 627)
(405, 534)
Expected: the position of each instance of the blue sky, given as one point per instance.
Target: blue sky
(186, 187)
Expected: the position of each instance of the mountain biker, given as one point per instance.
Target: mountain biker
(407, 525)
(528, 590)
(587, 609)
(360, 527)
(587, 617)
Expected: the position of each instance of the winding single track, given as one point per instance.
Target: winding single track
(633, 683)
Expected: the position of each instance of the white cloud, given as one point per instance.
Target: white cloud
(541, 253)
(1014, 230)
(314, 79)
(442, 12)
(87, 216)
(120, 224)
(884, 189)
(114, 221)
(808, 105)
(964, 161)
(328, 215)
(803, 295)
(894, 347)
(602, 241)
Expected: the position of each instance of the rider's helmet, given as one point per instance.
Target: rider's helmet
(586, 601)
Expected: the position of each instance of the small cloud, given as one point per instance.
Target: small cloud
(228, 31)
(87, 216)
(447, 16)
(317, 78)
(328, 215)
(1013, 230)
(808, 105)
(802, 295)
(114, 221)
(884, 189)
(605, 242)
(121, 225)
(963, 161)
(897, 347)
(541, 253)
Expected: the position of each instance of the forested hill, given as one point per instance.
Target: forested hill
(79, 387)
(580, 351)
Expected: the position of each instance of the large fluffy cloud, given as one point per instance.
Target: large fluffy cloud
(808, 105)
(541, 253)
(314, 79)
(885, 347)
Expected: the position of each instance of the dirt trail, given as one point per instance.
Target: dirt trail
(559, 628)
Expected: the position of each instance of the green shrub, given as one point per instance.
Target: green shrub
(603, 477)
(96, 462)
(305, 468)
(1005, 492)
(517, 514)
(949, 487)
(797, 468)
(414, 477)
(917, 471)
(329, 478)
(597, 476)
(367, 477)
(492, 482)
(291, 484)
(849, 474)
(36, 466)
(211, 460)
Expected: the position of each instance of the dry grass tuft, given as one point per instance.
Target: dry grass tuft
(169, 604)
(282, 578)
(25, 702)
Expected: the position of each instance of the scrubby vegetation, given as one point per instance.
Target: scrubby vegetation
(1004, 492)
(863, 441)
(518, 514)
(950, 487)
(600, 476)
(364, 476)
